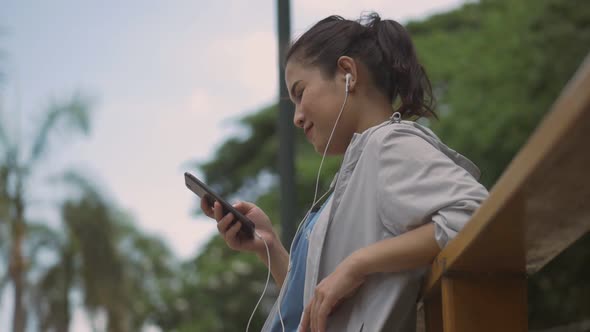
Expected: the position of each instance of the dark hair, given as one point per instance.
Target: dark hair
(383, 46)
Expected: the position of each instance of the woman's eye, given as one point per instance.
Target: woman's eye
(300, 94)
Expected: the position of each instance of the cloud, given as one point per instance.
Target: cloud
(248, 64)
(201, 100)
(211, 115)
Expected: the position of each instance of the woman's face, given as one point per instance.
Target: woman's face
(317, 103)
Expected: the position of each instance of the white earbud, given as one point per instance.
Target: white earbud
(348, 77)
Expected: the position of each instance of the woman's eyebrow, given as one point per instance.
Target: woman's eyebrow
(293, 88)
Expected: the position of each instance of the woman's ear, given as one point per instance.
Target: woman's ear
(347, 65)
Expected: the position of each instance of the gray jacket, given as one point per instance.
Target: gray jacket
(394, 177)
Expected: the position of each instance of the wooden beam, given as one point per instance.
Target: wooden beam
(548, 186)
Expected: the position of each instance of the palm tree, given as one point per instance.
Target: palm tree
(19, 162)
(99, 254)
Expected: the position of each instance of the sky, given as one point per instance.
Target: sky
(167, 80)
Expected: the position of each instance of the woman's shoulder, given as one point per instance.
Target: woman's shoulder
(408, 140)
(409, 129)
(405, 137)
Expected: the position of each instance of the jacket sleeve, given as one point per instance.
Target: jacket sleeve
(418, 184)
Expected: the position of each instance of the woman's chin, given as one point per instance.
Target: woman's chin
(320, 149)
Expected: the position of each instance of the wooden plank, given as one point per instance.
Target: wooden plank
(433, 313)
(547, 183)
(484, 303)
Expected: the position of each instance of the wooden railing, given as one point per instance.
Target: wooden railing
(538, 208)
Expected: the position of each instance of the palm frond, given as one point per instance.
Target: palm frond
(66, 117)
(81, 184)
(4, 138)
(51, 296)
(42, 238)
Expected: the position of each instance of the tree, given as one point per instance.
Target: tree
(19, 162)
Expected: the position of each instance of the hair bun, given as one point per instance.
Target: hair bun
(370, 20)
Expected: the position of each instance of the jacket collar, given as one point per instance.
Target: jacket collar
(356, 147)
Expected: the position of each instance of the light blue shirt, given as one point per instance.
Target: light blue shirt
(292, 299)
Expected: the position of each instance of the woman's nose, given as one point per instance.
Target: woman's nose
(298, 118)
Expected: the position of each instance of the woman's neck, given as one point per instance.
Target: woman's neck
(373, 113)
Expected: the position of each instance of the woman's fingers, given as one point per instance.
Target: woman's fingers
(232, 232)
(217, 211)
(224, 223)
(207, 209)
(314, 307)
(304, 327)
(244, 207)
(322, 315)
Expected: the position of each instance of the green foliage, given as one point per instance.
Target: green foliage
(496, 68)
(560, 293)
(218, 293)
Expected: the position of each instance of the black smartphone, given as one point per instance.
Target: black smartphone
(203, 191)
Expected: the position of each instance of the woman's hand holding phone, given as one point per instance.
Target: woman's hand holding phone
(263, 227)
(229, 228)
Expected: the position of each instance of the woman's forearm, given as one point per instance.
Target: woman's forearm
(279, 262)
(411, 250)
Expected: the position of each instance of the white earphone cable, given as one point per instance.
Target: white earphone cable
(304, 218)
(265, 286)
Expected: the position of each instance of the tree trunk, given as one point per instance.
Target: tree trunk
(17, 270)
(64, 324)
(116, 320)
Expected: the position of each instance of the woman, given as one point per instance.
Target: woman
(399, 197)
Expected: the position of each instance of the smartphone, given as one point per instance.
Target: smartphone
(203, 191)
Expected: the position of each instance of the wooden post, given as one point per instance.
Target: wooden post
(484, 303)
(488, 289)
(433, 313)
